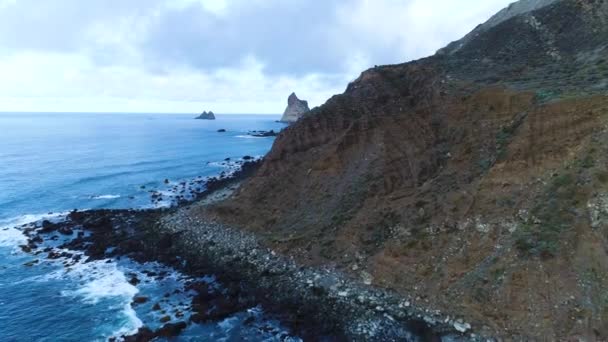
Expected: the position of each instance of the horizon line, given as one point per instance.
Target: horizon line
(168, 113)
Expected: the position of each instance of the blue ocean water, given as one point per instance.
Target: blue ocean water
(53, 163)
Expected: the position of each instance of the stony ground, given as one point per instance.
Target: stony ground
(334, 300)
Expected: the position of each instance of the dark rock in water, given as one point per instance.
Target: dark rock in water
(209, 306)
(134, 281)
(53, 255)
(263, 134)
(221, 130)
(249, 320)
(165, 319)
(48, 227)
(168, 331)
(31, 263)
(166, 181)
(206, 116)
(247, 157)
(143, 335)
(156, 307)
(140, 300)
(171, 329)
(65, 230)
(296, 108)
(26, 248)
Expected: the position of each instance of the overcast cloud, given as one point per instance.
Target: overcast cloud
(230, 56)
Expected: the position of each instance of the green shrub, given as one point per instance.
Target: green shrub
(546, 95)
(555, 217)
(539, 240)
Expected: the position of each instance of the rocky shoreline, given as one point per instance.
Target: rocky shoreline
(315, 303)
(333, 301)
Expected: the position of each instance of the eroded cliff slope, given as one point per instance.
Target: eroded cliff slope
(475, 179)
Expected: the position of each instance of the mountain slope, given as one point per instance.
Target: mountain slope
(474, 179)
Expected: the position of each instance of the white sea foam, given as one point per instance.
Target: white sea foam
(167, 203)
(99, 280)
(229, 165)
(10, 236)
(29, 218)
(248, 137)
(102, 197)
(228, 324)
(132, 325)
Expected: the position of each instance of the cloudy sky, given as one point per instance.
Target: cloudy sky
(229, 56)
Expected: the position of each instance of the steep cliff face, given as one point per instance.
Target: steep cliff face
(475, 179)
(296, 108)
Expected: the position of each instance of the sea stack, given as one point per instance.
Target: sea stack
(296, 108)
(206, 116)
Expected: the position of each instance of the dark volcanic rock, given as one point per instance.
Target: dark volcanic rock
(263, 134)
(134, 281)
(65, 230)
(140, 300)
(168, 331)
(171, 330)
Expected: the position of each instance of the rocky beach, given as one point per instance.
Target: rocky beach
(316, 303)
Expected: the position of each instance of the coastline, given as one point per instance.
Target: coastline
(315, 302)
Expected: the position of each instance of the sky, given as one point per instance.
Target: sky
(228, 56)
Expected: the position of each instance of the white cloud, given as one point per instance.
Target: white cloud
(231, 56)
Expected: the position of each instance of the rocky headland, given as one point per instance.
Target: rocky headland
(296, 108)
(474, 180)
(206, 116)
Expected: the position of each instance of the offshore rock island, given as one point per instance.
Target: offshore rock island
(462, 195)
(296, 108)
(206, 116)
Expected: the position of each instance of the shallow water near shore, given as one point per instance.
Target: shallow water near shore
(53, 163)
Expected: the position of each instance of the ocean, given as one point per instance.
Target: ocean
(52, 163)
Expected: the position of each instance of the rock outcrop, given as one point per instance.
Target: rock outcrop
(468, 180)
(296, 108)
(206, 116)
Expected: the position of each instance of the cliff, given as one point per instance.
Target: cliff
(296, 108)
(206, 116)
(474, 180)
